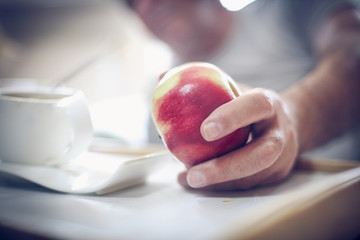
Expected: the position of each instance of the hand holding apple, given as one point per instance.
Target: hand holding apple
(267, 158)
(185, 96)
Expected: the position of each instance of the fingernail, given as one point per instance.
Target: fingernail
(211, 130)
(196, 179)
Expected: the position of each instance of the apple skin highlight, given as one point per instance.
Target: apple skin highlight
(184, 98)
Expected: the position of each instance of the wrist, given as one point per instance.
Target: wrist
(299, 112)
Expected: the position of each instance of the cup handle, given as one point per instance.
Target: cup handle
(78, 112)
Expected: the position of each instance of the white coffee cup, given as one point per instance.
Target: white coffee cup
(43, 125)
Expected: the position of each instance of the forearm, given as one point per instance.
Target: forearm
(327, 101)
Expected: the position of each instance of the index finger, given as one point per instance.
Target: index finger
(253, 106)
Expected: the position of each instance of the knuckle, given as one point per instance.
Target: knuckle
(271, 150)
(291, 134)
(225, 123)
(292, 137)
(268, 156)
(229, 116)
(265, 101)
(278, 141)
(217, 171)
(224, 116)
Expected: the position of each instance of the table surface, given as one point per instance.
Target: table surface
(161, 209)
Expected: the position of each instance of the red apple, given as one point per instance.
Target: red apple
(184, 98)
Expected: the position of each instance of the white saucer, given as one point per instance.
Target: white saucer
(90, 172)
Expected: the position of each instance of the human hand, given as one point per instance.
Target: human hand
(268, 157)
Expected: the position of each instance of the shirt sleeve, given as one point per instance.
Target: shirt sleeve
(304, 17)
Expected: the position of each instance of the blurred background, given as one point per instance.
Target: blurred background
(48, 39)
(43, 41)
